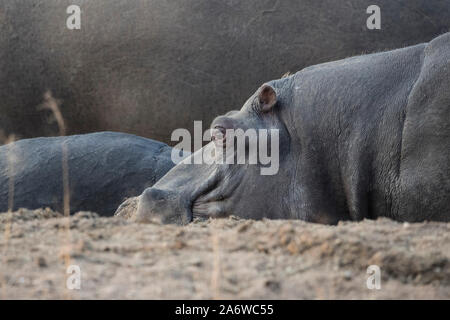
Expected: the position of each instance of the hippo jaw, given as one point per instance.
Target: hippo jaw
(206, 193)
(210, 199)
(216, 200)
(191, 191)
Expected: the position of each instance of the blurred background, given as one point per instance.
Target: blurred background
(150, 66)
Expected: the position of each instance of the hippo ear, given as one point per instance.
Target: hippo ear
(267, 97)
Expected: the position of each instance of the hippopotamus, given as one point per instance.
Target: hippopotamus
(103, 169)
(150, 67)
(359, 138)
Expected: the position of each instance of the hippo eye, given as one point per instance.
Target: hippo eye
(256, 106)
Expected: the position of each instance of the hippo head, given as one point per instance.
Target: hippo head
(242, 184)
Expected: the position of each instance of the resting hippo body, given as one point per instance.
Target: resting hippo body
(104, 169)
(149, 67)
(364, 137)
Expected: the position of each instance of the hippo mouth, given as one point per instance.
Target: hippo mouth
(207, 205)
(206, 198)
(214, 198)
(206, 189)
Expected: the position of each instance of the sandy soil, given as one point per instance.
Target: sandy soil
(224, 258)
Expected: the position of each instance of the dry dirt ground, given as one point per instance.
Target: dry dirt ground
(224, 258)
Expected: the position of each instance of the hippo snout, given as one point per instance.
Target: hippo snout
(163, 206)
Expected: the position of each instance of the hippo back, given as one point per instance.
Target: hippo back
(104, 168)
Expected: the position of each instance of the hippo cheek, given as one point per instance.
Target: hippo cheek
(222, 195)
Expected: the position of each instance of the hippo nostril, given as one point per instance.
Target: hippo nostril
(163, 205)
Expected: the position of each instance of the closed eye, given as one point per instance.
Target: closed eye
(256, 107)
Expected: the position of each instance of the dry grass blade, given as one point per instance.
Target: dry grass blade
(53, 104)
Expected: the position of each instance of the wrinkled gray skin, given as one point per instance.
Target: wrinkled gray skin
(149, 67)
(364, 137)
(104, 169)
